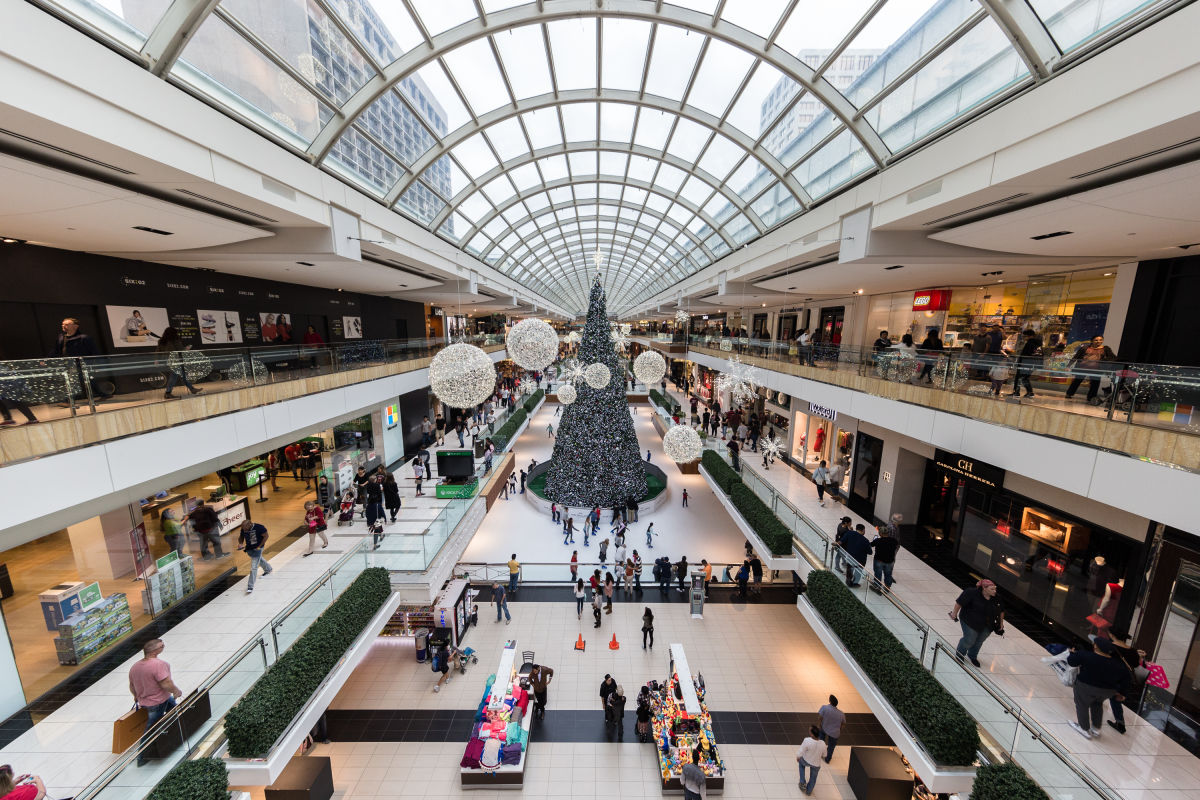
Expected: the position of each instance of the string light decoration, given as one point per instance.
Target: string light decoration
(462, 375)
(899, 366)
(771, 447)
(682, 444)
(597, 375)
(52, 382)
(649, 367)
(682, 317)
(740, 380)
(948, 375)
(237, 373)
(196, 366)
(532, 344)
(726, 344)
(566, 394)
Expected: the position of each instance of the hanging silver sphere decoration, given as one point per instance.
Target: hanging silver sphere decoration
(740, 380)
(566, 394)
(682, 444)
(649, 367)
(682, 317)
(597, 375)
(532, 344)
(462, 375)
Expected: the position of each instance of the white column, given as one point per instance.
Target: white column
(101, 545)
(1118, 308)
(12, 696)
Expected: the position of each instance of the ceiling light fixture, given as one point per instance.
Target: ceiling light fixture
(860, 291)
(1108, 274)
(11, 240)
(1051, 235)
(148, 229)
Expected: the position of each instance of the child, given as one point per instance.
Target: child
(650, 534)
(314, 517)
(604, 551)
(347, 506)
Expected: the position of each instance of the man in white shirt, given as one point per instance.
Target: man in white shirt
(809, 757)
(804, 340)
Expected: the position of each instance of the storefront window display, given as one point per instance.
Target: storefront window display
(821, 434)
(1069, 572)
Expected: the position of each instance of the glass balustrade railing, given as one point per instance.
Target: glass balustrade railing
(58, 387)
(1154, 395)
(1000, 718)
(125, 780)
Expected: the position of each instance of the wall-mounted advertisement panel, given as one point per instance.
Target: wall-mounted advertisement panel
(136, 327)
(219, 327)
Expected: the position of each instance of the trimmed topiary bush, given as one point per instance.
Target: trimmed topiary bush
(937, 720)
(665, 403)
(254, 724)
(719, 470)
(533, 399)
(202, 779)
(1005, 781)
(760, 519)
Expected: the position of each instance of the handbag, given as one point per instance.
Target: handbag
(1099, 622)
(128, 729)
(321, 527)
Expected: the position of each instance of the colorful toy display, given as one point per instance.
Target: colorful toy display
(681, 738)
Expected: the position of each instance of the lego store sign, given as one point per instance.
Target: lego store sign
(931, 300)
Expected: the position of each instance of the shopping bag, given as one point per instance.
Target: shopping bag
(1099, 622)
(1157, 676)
(128, 728)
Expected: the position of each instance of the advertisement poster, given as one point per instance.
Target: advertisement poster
(140, 545)
(1088, 320)
(352, 327)
(275, 328)
(136, 326)
(219, 327)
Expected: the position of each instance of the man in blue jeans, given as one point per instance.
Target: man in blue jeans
(152, 688)
(252, 539)
(500, 598)
(831, 718)
(885, 547)
(514, 572)
(809, 759)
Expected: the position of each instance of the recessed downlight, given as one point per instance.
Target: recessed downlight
(306, 263)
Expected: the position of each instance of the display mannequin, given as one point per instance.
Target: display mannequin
(1100, 574)
(1112, 599)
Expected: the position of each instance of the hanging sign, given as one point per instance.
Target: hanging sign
(931, 300)
(823, 412)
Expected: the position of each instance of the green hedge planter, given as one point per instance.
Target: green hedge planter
(202, 779)
(761, 520)
(716, 467)
(533, 399)
(254, 724)
(1005, 781)
(508, 430)
(937, 720)
(664, 402)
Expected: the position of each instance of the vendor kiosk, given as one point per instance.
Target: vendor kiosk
(498, 749)
(682, 728)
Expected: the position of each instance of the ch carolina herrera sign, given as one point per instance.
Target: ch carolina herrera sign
(970, 468)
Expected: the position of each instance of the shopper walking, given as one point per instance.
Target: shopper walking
(580, 596)
(685, 499)
(539, 679)
(607, 687)
(252, 539)
(648, 627)
(1086, 364)
(610, 586)
(172, 531)
(830, 718)
(980, 613)
(152, 687)
(1027, 359)
(809, 759)
(856, 548)
(694, 782)
(614, 711)
(681, 570)
(391, 495)
(207, 525)
(314, 518)
(373, 500)
(500, 600)
(644, 714)
(597, 604)
(439, 425)
(756, 570)
(820, 477)
(426, 432)
(1101, 678)
(885, 548)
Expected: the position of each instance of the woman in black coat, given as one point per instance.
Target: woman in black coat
(391, 495)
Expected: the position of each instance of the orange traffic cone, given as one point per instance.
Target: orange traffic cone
(581, 644)
(614, 644)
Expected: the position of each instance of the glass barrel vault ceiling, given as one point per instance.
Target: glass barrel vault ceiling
(639, 138)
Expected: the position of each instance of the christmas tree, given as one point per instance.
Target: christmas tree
(596, 458)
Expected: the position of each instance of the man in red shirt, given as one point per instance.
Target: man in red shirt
(152, 688)
(292, 454)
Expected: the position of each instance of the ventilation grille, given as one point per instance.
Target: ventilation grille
(1134, 159)
(964, 213)
(223, 204)
(80, 156)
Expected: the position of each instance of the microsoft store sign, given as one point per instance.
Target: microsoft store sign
(823, 412)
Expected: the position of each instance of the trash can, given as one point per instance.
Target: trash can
(422, 636)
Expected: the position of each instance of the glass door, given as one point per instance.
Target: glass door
(1176, 709)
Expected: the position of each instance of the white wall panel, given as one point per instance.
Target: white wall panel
(35, 488)
(920, 423)
(135, 460)
(1149, 490)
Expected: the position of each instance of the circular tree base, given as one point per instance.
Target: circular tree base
(656, 492)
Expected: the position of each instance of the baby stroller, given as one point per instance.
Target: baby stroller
(346, 510)
(466, 655)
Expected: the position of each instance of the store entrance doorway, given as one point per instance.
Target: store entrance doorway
(939, 521)
(787, 328)
(831, 324)
(1175, 710)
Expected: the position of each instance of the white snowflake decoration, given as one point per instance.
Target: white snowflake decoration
(620, 340)
(682, 444)
(572, 371)
(566, 394)
(740, 380)
(597, 375)
(532, 343)
(258, 373)
(649, 367)
(772, 447)
(682, 317)
(462, 375)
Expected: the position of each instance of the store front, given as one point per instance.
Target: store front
(864, 477)
(1069, 573)
(821, 434)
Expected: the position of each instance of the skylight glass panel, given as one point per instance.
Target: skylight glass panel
(695, 191)
(583, 163)
(579, 120)
(495, 228)
(525, 177)
(359, 159)
(419, 202)
(719, 207)
(616, 122)
(688, 140)
(553, 167)
(537, 202)
(492, 6)
(561, 194)
(475, 70)
(510, 241)
(523, 56)
(475, 208)
(658, 203)
(525, 230)
(454, 226)
(756, 16)
(499, 191)
(613, 163)
(573, 44)
(671, 65)
(442, 15)
(431, 93)
(128, 23)
(624, 53)
(542, 127)
(816, 27)
(974, 68)
(515, 214)
(653, 127)
(478, 244)
(678, 213)
(635, 196)
(508, 139)
(797, 133)
(397, 34)
(1074, 23)
(762, 100)
(642, 168)
(609, 191)
(721, 73)
(896, 25)
(720, 157)
(670, 178)
(475, 156)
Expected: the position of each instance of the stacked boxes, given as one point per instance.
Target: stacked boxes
(169, 585)
(86, 633)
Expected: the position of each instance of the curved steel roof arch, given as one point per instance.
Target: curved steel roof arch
(654, 11)
(603, 146)
(622, 96)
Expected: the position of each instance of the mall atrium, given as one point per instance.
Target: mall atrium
(846, 347)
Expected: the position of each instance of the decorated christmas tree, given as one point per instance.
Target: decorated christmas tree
(596, 458)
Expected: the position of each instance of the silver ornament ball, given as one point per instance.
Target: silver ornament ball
(462, 375)
(597, 375)
(532, 344)
(649, 367)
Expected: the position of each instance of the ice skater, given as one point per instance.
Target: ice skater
(569, 532)
(650, 536)
(550, 431)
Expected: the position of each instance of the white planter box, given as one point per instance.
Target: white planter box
(772, 562)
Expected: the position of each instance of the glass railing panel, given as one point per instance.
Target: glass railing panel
(287, 630)
(1047, 763)
(997, 717)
